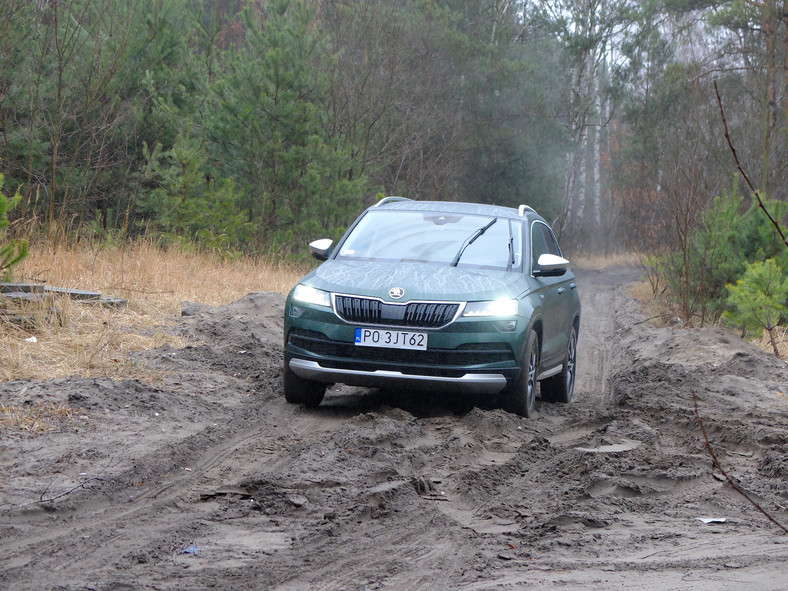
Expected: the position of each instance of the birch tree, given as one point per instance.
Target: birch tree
(588, 31)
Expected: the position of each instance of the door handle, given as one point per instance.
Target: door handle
(561, 290)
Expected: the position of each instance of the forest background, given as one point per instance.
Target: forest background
(252, 127)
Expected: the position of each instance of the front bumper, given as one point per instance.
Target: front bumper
(482, 383)
(468, 355)
(482, 367)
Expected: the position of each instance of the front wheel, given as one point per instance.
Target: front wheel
(519, 397)
(561, 387)
(301, 391)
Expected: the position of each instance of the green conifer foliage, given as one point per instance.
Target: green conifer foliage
(13, 251)
(269, 131)
(757, 300)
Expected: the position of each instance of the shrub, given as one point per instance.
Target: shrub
(728, 236)
(13, 251)
(756, 301)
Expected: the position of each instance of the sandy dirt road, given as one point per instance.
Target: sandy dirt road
(206, 479)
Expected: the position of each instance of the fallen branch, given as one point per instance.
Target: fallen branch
(730, 481)
(143, 291)
(46, 501)
(663, 315)
(82, 484)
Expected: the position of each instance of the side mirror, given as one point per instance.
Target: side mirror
(550, 265)
(320, 249)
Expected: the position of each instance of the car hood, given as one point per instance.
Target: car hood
(419, 281)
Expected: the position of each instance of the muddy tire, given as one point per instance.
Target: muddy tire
(519, 397)
(300, 391)
(561, 387)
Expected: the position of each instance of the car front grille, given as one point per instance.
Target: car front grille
(413, 315)
(446, 362)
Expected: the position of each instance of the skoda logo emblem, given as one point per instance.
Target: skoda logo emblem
(396, 293)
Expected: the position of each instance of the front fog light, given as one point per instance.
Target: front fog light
(505, 325)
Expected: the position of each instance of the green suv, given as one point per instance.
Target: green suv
(436, 295)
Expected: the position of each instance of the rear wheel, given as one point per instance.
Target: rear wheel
(519, 397)
(301, 391)
(561, 387)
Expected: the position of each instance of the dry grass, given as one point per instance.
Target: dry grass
(90, 340)
(601, 262)
(163, 279)
(654, 306)
(40, 418)
(781, 336)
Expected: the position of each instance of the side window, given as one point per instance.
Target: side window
(542, 242)
(538, 244)
(552, 243)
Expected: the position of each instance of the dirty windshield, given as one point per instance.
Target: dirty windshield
(435, 237)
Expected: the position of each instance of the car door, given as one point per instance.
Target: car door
(556, 294)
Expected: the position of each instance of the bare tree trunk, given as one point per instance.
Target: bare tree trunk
(774, 342)
(785, 47)
(770, 111)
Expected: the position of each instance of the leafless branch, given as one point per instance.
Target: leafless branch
(663, 315)
(44, 500)
(746, 178)
(730, 481)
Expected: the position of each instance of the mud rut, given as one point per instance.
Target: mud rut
(206, 479)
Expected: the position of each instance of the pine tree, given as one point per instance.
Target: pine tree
(268, 130)
(12, 252)
(758, 298)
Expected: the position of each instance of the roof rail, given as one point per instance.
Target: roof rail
(391, 200)
(524, 208)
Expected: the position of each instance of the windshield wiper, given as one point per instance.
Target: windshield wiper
(510, 263)
(470, 240)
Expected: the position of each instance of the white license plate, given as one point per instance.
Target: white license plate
(393, 339)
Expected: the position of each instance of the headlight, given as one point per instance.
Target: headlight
(497, 308)
(310, 295)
